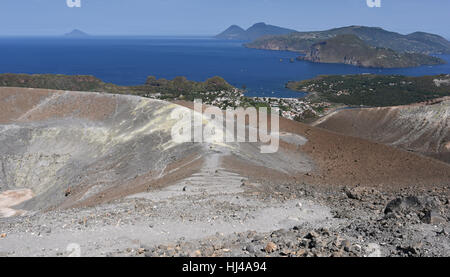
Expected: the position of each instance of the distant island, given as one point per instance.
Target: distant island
(256, 31)
(418, 42)
(360, 46)
(76, 34)
(350, 49)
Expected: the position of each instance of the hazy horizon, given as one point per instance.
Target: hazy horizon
(210, 17)
(200, 36)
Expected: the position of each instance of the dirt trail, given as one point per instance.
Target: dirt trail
(211, 179)
(212, 201)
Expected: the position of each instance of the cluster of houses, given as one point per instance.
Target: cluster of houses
(290, 108)
(293, 108)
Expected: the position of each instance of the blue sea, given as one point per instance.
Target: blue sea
(129, 60)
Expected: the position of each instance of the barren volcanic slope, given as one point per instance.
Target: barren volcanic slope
(420, 128)
(71, 148)
(102, 171)
(68, 146)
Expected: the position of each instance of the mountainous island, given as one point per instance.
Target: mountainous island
(76, 34)
(359, 45)
(256, 31)
(350, 49)
(418, 42)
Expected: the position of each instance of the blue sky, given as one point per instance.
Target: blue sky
(206, 17)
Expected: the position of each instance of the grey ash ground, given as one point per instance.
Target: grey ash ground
(359, 225)
(293, 220)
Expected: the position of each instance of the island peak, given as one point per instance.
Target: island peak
(76, 33)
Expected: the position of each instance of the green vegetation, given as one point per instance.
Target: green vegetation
(182, 88)
(57, 82)
(374, 90)
(179, 87)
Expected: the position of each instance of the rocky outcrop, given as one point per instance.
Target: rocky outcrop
(351, 50)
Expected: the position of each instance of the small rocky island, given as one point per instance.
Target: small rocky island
(76, 34)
